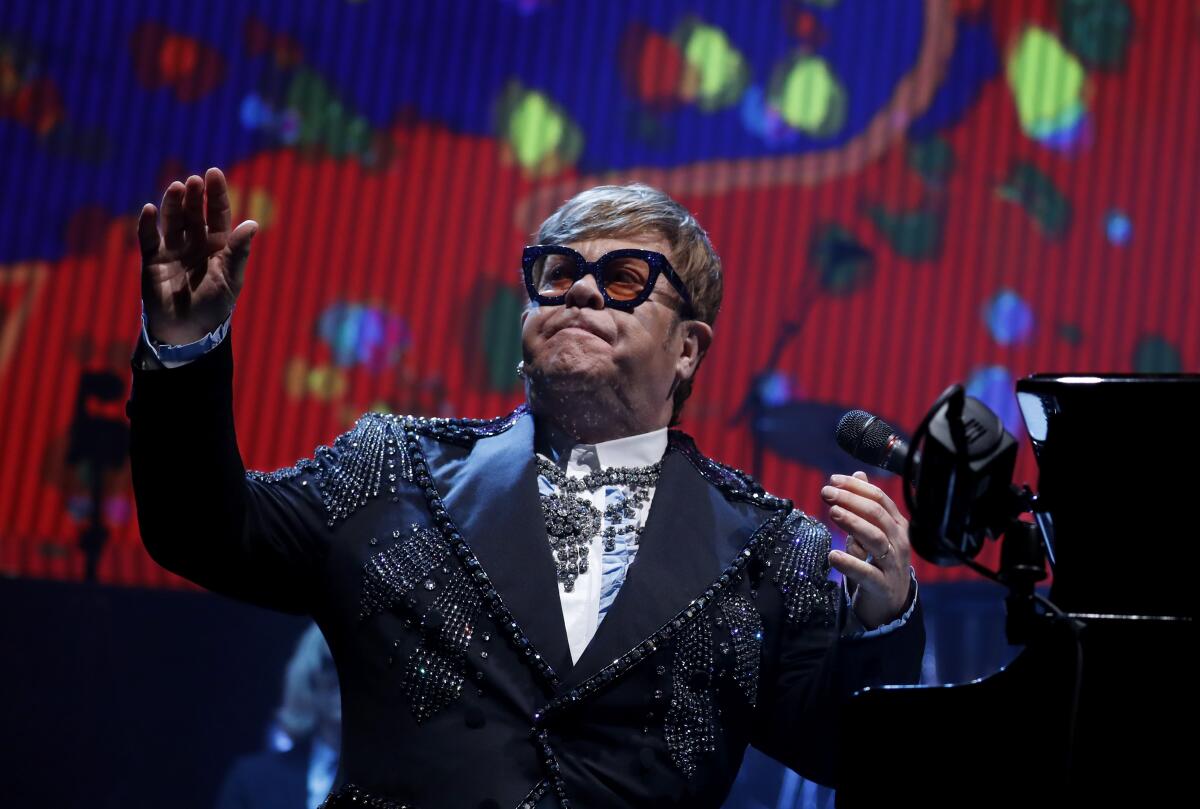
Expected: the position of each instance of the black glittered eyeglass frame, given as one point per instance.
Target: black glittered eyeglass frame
(657, 263)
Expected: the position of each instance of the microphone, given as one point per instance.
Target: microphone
(959, 493)
(872, 440)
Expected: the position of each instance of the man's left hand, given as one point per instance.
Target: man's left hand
(878, 553)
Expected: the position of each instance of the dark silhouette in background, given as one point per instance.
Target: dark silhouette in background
(98, 444)
(299, 767)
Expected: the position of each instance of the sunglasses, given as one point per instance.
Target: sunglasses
(625, 277)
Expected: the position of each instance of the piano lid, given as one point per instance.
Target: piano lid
(1118, 469)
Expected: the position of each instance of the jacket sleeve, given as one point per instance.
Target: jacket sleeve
(819, 659)
(200, 515)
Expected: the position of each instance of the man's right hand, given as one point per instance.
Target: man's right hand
(193, 264)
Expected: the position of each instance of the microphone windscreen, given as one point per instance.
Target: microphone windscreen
(865, 436)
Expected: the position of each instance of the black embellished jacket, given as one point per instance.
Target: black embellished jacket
(419, 547)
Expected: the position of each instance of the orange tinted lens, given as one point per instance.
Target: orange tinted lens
(555, 274)
(625, 278)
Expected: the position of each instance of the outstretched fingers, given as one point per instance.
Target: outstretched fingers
(193, 213)
(239, 251)
(216, 192)
(147, 231)
(173, 222)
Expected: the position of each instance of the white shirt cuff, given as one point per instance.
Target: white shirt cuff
(173, 356)
(854, 627)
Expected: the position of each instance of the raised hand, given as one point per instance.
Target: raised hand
(193, 263)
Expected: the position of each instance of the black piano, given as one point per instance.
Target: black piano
(1098, 709)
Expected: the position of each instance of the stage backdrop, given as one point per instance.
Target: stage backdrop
(905, 194)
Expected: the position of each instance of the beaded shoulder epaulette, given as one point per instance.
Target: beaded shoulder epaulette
(733, 483)
(366, 461)
(370, 459)
(463, 432)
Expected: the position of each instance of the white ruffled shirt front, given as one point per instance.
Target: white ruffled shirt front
(585, 606)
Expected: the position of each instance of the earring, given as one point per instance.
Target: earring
(521, 369)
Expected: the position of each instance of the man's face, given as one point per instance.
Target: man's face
(583, 346)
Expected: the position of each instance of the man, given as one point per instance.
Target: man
(566, 606)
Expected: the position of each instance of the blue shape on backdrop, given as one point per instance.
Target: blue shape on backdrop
(774, 389)
(1118, 228)
(362, 335)
(760, 118)
(1009, 318)
(1066, 137)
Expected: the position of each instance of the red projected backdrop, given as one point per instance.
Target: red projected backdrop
(904, 196)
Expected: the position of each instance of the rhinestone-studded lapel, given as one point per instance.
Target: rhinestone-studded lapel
(692, 534)
(493, 497)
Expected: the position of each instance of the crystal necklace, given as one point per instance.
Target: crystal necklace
(571, 521)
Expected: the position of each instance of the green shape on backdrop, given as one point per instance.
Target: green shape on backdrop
(1036, 193)
(1071, 333)
(720, 68)
(1097, 31)
(932, 158)
(841, 260)
(501, 337)
(1154, 354)
(809, 97)
(324, 120)
(915, 235)
(1046, 81)
(540, 133)
(535, 129)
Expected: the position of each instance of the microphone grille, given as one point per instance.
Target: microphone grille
(864, 436)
